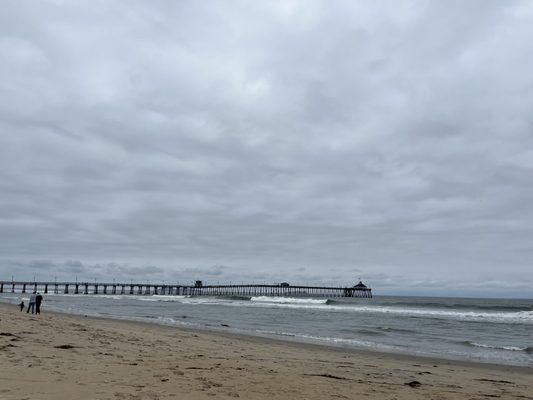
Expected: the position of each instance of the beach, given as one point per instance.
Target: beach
(59, 356)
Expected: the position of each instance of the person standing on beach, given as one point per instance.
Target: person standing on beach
(31, 304)
(21, 305)
(38, 301)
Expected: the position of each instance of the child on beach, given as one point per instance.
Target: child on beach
(21, 305)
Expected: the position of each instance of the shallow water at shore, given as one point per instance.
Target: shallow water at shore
(486, 330)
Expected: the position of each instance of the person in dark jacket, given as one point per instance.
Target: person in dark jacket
(21, 305)
(38, 301)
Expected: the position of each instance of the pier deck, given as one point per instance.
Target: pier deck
(183, 290)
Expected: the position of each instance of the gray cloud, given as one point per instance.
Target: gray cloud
(390, 141)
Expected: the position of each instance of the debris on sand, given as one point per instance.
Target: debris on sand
(64, 346)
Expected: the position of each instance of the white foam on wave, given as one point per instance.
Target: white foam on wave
(524, 317)
(105, 296)
(288, 300)
(157, 297)
(194, 300)
(330, 340)
(488, 346)
(502, 317)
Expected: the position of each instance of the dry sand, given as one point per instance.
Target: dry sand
(112, 359)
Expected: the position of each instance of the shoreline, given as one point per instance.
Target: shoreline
(282, 339)
(63, 356)
(300, 344)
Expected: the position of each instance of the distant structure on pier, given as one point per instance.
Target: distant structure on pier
(197, 289)
(360, 286)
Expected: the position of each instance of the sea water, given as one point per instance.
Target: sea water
(486, 330)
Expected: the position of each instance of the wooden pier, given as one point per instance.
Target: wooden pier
(243, 290)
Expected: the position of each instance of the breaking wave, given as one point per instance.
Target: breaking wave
(520, 317)
(528, 350)
(331, 340)
(487, 313)
(461, 306)
(288, 300)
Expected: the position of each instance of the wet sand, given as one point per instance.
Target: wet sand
(58, 356)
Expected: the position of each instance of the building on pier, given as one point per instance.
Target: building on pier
(360, 286)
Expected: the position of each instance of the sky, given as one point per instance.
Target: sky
(303, 141)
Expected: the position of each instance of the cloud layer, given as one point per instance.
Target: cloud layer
(319, 141)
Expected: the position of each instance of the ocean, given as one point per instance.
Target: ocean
(485, 330)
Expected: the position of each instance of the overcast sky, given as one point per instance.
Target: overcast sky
(313, 142)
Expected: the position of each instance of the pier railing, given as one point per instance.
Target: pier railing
(182, 290)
